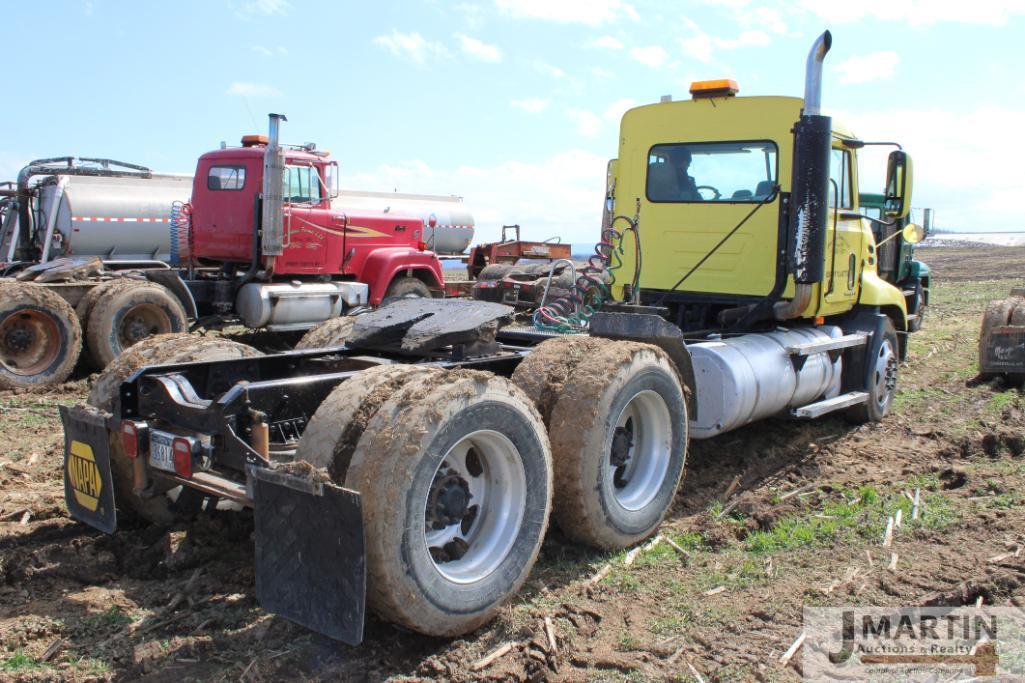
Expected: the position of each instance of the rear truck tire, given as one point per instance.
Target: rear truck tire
(331, 332)
(84, 309)
(916, 324)
(455, 474)
(404, 286)
(40, 337)
(550, 365)
(105, 395)
(619, 436)
(497, 271)
(330, 438)
(129, 312)
(882, 368)
(998, 313)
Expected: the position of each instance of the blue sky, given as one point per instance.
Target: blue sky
(513, 104)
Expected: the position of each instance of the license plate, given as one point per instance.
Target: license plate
(161, 451)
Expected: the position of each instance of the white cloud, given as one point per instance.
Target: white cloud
(918, 12)
(607, 42)
(532, 105)
(969, 179)
(252, 8)
(698, 46)
(587, 122)
(589, 12)
(478, 49)
(560, 195)
(244, 89)
(865, 68)
(615, 111)
(653, 55)
(599, 72)
(547, 69)
(267, 52)
(411, 46)
(702, 45)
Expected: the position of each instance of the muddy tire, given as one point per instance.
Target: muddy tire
(105, 394)
(998, 313)
(456, 484)
(330, 438)
(407, 287)
(545, 371)
(331, 332)
(880, 381)
(40, 337)
(84, 309)
(129, 312)
(497, 271)
(619, 443)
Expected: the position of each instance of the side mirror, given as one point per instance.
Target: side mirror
(897, 203)
(913, 233)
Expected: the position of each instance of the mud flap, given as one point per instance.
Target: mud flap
(310, 561)
(1005, 351)
(88, 485)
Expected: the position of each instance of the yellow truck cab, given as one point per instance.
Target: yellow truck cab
(711, 180)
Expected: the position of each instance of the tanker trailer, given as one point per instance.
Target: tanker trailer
(448, 221)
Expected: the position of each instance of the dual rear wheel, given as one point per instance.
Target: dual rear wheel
(457, 474)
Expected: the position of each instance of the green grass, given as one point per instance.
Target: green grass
(20, 662)
(109, 620)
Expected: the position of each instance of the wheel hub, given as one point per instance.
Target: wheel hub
(622, 442)
(136, 329)
(18, 339)
(448, 501)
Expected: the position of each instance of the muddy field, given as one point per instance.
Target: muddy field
(803, 524)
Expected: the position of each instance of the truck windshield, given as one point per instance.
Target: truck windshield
(301, 185)
(726, 172)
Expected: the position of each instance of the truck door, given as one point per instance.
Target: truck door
(306, 213)
(843, 236)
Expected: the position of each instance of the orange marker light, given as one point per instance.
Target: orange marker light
(723, 87)
(253, 140)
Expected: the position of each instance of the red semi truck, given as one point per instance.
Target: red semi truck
(263, 248)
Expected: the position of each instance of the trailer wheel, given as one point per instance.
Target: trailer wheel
(881, 370)
(129, 312)
(105, 394)
(544, 372)
(619, 443)
(331, 332)
(496, 271)
(405, 287)
(456, 484)
(40, 338)
(335, 428)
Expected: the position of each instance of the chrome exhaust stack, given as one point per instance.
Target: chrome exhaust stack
(806, 233)
(272, 214)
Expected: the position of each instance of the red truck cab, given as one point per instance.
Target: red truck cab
(319, 241)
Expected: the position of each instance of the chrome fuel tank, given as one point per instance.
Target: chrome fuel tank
(749, 377)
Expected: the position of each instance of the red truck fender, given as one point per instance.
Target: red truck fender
(384, 265)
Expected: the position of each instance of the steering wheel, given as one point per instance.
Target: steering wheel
(716, 194)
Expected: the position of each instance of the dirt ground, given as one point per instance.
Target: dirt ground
(804, 526)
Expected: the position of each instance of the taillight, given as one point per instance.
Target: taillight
(181, 447)
(132, 433)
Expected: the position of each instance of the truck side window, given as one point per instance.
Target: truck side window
(226, 178)
(301, 185)
(840, 173)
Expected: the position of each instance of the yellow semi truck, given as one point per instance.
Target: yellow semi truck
(412, 466)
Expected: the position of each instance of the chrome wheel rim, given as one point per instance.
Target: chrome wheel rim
(885, 375)
(475, 506)
(640, 450)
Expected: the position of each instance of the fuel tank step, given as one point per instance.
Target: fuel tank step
(831, 344)
(813, 410)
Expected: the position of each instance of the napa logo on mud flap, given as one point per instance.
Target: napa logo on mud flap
(84, 475)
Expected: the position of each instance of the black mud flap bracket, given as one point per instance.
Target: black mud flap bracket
(88, 484)
(310, 556)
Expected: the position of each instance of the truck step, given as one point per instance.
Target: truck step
(832, 344)
(813, 410)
